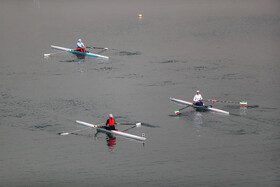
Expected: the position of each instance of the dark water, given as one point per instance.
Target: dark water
(229, 50)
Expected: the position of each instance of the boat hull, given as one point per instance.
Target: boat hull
(78, 52)
(199, 108)
(116, 132)
(120, 133)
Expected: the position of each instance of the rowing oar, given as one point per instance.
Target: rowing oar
(104, 48)
(243, 103)
(67, 133)
(136, 124)
(129, 128)
(178, 111)
(49, 54)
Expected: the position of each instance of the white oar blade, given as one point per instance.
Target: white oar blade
(64, 133)
(138, 124)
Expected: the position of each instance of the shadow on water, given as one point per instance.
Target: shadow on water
(127, 53)
(69, 61)
(42, 126)
(169, 61)
(242, 132)
(235, 107)
(49, 127)
(172, 61)
(149, 125)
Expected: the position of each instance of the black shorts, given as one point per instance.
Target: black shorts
(109, 127)
(112, 127)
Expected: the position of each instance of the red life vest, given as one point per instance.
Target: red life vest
(111, 121)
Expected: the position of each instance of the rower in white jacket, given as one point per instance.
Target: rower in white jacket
(197, 99)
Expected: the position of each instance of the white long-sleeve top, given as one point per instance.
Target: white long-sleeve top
(197, 98)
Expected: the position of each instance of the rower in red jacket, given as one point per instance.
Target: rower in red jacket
(111, 122)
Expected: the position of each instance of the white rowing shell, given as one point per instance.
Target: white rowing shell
(210, 108)
(78, 52)
(116, 132)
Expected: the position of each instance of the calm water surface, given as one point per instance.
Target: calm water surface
(229, 50)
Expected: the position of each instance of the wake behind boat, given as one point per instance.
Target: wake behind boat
(200, 108)
(115, 132)
(78, 52)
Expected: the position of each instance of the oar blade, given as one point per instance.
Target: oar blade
(138, 124)
(177, 112)
(243, 103)
(64, 133)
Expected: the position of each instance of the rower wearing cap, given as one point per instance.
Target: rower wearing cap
(111, 122)
(197, 100)
(80, 46)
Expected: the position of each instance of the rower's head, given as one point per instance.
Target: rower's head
(80, 40)
(197, 92)
(111, 116)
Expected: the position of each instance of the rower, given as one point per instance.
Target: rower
(197, 100)
(111, 122)
(80, 46)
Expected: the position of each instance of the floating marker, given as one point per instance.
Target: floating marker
(140, 16)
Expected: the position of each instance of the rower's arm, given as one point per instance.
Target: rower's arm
(107, 122)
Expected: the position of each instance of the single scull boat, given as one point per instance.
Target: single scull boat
(116, 132)
(78, 52)
(202, 108)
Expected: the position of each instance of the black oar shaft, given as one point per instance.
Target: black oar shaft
(125, 123)
(183, 108)
(214, 100)
(97, 47)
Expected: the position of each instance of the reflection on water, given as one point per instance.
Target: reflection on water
(197, 119)
(81, 65)
(110, 140)
(243, 110)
